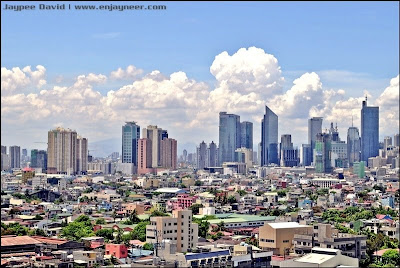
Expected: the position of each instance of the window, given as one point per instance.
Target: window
(169, 224)
(269, 240)
(285, 241)
(182, 216)
(315, 227)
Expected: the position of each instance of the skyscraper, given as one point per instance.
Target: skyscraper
(15, 156)
(212, 155)
(130, 137)
(61, 151)
(201, 153)
(334, 133)
(81, 155)
(246, 135)
(185, 154)
(306, 154)
(387, 142)
(396, 140)
(229, 136)
(289, 156)
(314, 128)
(4, 149)
(144, 156)
(353, 145)
(269, 138)
(369, 131)
(322, 153)
(155, 134)
(168, 151)
(39, 159)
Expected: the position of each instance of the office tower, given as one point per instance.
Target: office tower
(169, 153)
(39, 159)
(369, 131)
(61, 151)
(359, 169)
(259, 153)
(212, 155)
(130, 137)
(246, 135)
(144, 156)
(201, 153)
(4, 149)
(269, 138)
(333, 131)
(314, 128)
(289, 156)
(396, 140)
(229, 136)
(387, 142)
(339, 154)
(322, 153)
(155, 134)
(353, 145)
(15, 156)
(244, 155)
(306, 153)
(24, 153)
(81, 155)
(5, 162)
(185, 155)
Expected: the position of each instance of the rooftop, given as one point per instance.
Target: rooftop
(283, 225)
(12, 240)
(315, 258)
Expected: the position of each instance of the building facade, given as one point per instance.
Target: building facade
(169, 154)
(15, 156)
(246, 135)
(130, 137)
(229, 136)
(353, 145)
(269, 138)
(39, 159)
(314, 128)
(369, 131)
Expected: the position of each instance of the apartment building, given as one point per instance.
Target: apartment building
(326, 236)
(278, 236)
(179, 229)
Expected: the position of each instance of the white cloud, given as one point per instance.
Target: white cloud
(131, 72)
(17, 80)
(245, 82)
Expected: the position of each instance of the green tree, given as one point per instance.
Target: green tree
(391, 256)
(106, 233)
(118, 238)
(148, 246)
(157, 213)
(100, 221)
(38, 217)
(198, 183)
(139, 232)
(133, 218)
(242, 192)
(195, 208)
(81, 227)
(231, 199)
(282, 193)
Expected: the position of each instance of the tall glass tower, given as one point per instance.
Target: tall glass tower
(314, 128)
(269, 138)
(246, 135)
(229, 136)
(369, 131)
(353, 145)
(130, 137)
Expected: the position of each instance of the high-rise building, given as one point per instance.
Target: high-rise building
(339, 154)
(62, 151)
(229, 136)
(259, 153)
(3, 149)
(322, 153)
(246, 135)
(81, 155)
(269, 138)
(306, 153)
(289, 156)
(185, 155)
(353, 145)
(39, 159)
(333, 131)
(15, 156)
(24, 152)
(387, 142)
(244, 155)
(5, 162)
(369, 131)
(144, 156)
(201, 153)
(155, 134)
(212, 155)
(130, 137)
(169, 153)
(314, 128)
(396, 140)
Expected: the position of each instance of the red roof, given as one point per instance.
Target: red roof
(382, 251)
(48, 240)
(28, 169)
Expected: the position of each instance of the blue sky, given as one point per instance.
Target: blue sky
(351, 45)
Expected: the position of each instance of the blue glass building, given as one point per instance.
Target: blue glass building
(229, 136)
(130, 137)
(269, 138)
(369, 131)
(246, 135)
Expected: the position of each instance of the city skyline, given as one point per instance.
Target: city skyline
(186, 96)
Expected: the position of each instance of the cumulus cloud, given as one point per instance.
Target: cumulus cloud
(16, 80)
(388, 103)
(245, 82)
(131, 72)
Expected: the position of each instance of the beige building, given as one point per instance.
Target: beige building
(130, 207)
(278, 236)
(168, 151)
(66, 152)
(148, 183)
(179, 229)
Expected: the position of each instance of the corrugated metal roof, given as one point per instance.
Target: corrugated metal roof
(8, 241)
